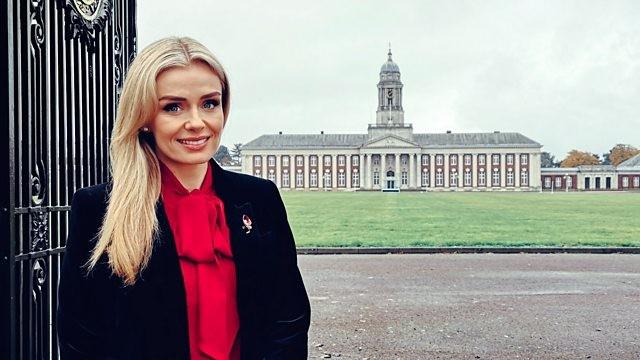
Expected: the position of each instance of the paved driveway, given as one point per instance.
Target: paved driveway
(474, 306)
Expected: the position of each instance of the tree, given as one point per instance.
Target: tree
(577, 158)
(236, 153)
(622, 152)
(222, 156)
(547, 160)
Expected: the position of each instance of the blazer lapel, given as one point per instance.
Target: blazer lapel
(235, 211)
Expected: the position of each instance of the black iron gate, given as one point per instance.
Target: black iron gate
(63, 63)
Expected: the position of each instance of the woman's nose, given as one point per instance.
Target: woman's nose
(194, 122)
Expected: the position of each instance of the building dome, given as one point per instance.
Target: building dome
(389, 66)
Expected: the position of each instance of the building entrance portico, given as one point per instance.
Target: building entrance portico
(391, 181)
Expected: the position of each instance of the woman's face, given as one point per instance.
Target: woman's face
(189, 118)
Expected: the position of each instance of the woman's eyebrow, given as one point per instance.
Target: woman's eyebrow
(178, 98)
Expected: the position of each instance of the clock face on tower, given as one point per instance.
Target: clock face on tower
(389, 93)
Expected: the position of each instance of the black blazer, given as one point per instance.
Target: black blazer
(99, 318)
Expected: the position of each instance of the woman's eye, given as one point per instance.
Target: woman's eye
(171, 107)
(210, 104)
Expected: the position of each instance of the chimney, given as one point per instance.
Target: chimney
(496, 132)
(279, 132)
(448, 131)
(322, 132)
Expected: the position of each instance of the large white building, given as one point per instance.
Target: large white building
(391, 156)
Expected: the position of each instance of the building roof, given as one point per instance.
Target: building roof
(307, 141)
(389, 66)
(633, 162)
(596, 168)
(447, 140)
(493, 139)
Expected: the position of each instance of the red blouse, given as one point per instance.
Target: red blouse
(201, 236)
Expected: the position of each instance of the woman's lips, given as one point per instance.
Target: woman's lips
(194, 143)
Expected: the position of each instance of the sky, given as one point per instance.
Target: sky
(563, 73)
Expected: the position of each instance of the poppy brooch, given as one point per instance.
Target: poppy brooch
(246, 220)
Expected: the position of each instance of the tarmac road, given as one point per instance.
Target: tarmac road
(474, 306)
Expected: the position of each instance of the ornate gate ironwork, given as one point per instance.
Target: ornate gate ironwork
(65, 61)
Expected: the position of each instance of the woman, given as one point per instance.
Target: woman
(176, 258)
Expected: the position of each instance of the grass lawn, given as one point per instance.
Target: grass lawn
(464, 219)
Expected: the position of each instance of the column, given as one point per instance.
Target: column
(474, 170)
(516, 169)
(361, 170)
(397, 171)
(412, 171)
(334, 171)
(383, 170)
(460, 170)
(503, 170)
(278, 175)
(320, 171)
(263, 170)
(307, 177)
(446, 170)
(432, 171)
(347, 176)
(367, 173)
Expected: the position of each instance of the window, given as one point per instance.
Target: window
(285, 161)
(510, 177)
(355, 160)
(454, 160)
(299, 160)
(404, 178)
(439, 160)
(313, 179)
(300, 180)
(524, 178)
(313, 160)
(355, 179)
(257, 173)
(453, 179)
(482, 160)
(376, 160)
(257, 161)
(425, 160)
(285, 179)
(340, 160)
(482, 178)
(467, 177)
(625, 181)
(496, 159)
(467, 159)
(524, 159)
(496, 178)
(376, 178)
(272, 176)
(404, 159)
(509, 159)
(558, 182)
(547, 182)
(341, 179)
(271, 160)
(327, 160)
(569, 182)
(425, 178)
(327, 180)
(636, 181)
(439, 178)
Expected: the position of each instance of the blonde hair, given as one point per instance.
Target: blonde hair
(130, 224)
